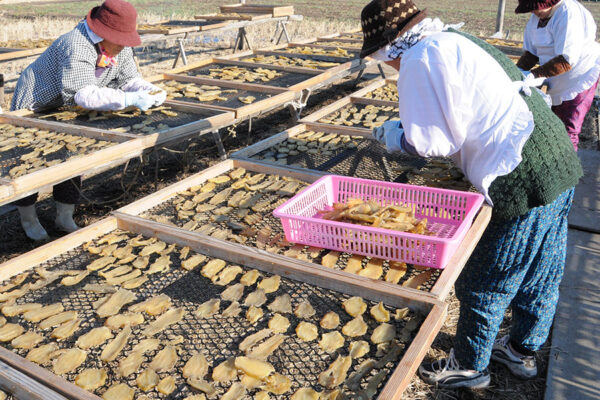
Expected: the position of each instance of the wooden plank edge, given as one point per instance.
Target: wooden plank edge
(26, 120)
(22, 386)
(21, 53)
(50, 250)
(413, 357)
(222, 83)
(450, 274)
(77, 166)
(55, 387)
(327, 278)
(311, 57)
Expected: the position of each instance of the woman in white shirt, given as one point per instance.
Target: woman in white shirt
(561, 37)
(461, 98)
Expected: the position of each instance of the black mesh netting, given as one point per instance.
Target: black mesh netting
(217, 337)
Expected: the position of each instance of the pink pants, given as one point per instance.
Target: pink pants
(573, 112)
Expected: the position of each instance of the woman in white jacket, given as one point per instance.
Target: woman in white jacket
(561, 37)
(464, 99)
(92, 67)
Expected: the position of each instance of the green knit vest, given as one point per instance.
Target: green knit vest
(550, 165)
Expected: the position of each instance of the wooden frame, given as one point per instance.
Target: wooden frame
(167, 31)
(276, 11)
(11, 54)
(317, 79)
(350, 35)
(185, 26)
(317, 45)
(130, 146)
(449, 275)
(397, 382)
(333, 38)
(316, 57)
(280, 96)
(354, 98)
(233, 17)
(219, 119)
(508, 50)
(439, 291)
(127, 146)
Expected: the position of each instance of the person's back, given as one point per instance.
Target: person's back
(40, 88)
(45, 83)
(478, 108)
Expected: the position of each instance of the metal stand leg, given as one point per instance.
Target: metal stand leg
(181, 52)
(242, 38)
(217, 136)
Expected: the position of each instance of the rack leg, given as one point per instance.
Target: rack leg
(276, 32)
(381, 71)
(217, 136)
(294, 112)
(285, 32)
(180, 52)
(245, 36)
(238, 40)
(358, 77)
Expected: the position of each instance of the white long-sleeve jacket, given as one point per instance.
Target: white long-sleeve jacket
(457, 101)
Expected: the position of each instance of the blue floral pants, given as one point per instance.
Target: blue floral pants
(517, 263)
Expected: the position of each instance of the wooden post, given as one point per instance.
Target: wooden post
(500, 17)
(1, 90)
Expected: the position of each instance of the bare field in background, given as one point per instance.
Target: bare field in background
(479, 15)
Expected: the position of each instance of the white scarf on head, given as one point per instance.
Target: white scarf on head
(411, 37)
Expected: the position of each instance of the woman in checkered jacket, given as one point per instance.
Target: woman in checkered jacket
(92, 67)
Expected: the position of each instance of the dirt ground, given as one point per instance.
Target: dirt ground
(162, 167)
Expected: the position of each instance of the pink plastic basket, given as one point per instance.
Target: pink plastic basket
(449, 215)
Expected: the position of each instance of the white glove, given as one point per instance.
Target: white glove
(159, 98)
(531, 81)
(140, 99)
(527, 83)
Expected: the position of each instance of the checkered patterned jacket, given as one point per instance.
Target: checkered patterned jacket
(68, 65)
